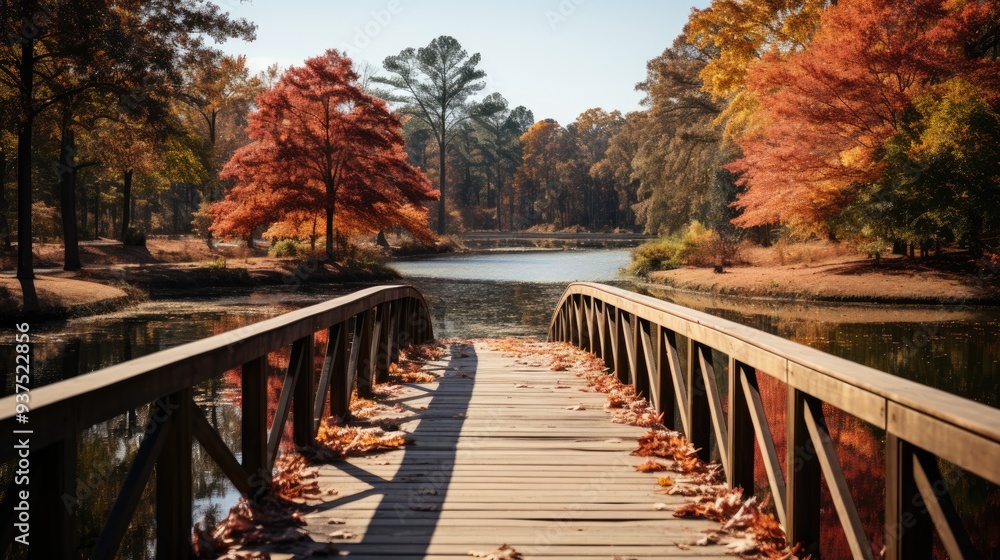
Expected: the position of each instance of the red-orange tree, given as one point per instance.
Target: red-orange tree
(323, 146)
(829, 111)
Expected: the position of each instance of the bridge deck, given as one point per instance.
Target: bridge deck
(496, 463)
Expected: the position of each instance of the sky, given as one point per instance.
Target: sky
(555, 57)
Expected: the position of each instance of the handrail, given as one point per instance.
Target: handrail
(636, 336)
(365, 329)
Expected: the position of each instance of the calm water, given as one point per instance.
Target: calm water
(495, 294)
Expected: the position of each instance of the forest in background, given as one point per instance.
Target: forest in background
(873, 122)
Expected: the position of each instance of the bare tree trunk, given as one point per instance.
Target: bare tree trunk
(25, 266)
(126, 203)
(329, 232)
(442, 216)
(4, 223)
(67, 197)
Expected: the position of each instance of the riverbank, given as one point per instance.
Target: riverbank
(846, 278)
(114, 276)
(61, 298)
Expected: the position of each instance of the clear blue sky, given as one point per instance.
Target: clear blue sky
(556, 57)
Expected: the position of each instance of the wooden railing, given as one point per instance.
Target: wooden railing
(637, 337)
(365, 332)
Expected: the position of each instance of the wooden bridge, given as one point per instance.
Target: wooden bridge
(501, 455)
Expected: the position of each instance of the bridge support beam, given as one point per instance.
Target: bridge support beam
(803, 479)
(173, 481)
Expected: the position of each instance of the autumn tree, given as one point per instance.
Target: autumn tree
(862, 108)
(541, 184)
(436, 84)
(53, 50)
(322, 145)
(739, 34)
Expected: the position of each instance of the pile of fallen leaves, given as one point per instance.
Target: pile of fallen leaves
(265, 521)
(410, 373)
(336, 440)
(369, 408)
(412, 359)
(759, 532)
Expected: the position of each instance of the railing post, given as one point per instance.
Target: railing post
(803, 479)
(667, 399)
(366, 351)
(405, 320)
(53, 487)
(425, 332)
(302, 396)
(908, 529)
(592, 325)
(381, 374)
(641, 369)
(394, 330)
(621, 350)
(740, 431)
(173, 481)
(699, 416)
(254, 419)
(340, 391)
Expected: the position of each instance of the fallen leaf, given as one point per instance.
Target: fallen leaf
(577, 407)
(665, 481)
(342, 535)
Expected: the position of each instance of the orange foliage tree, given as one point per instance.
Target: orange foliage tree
(322, 147)
(828, 111)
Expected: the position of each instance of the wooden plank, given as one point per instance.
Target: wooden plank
(676, 373)
(952, 443)
(518, 470)
(852, 400)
